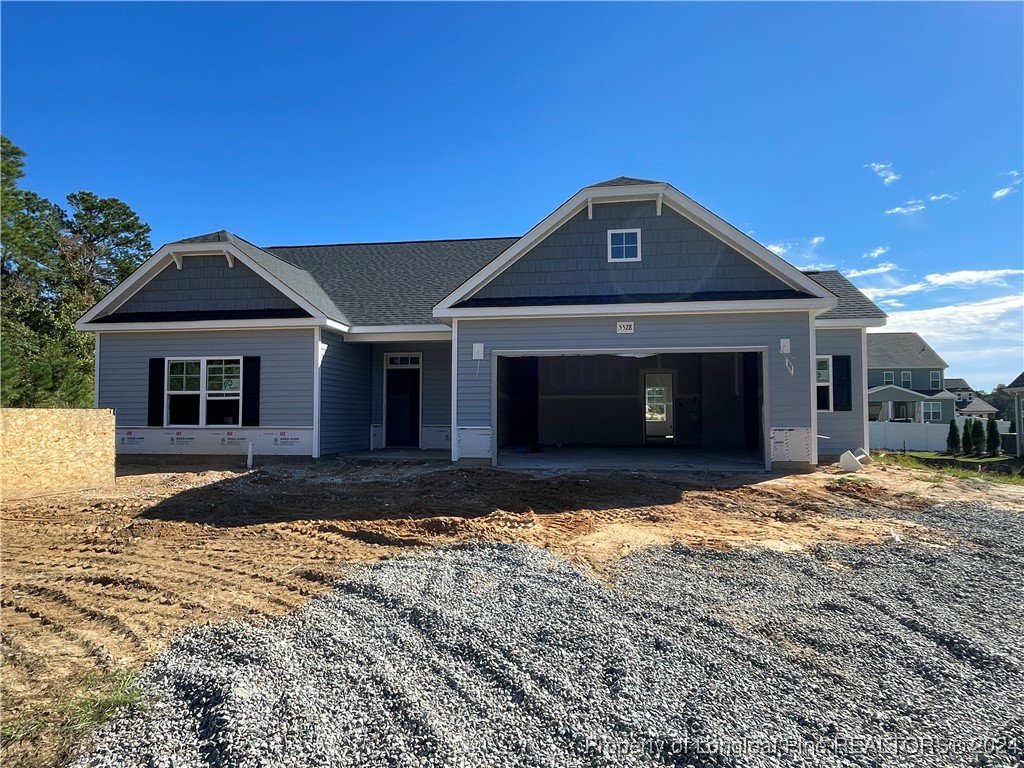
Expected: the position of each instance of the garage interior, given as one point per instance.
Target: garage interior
(668, 410)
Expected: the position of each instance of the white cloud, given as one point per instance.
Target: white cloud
(908, 208)
(893, 303)
(981, 340)
(968, 278)
(816, 267)
(944, 196)
(885, 172)
(777, 248)
(816, 241)
(881, 269)
(1014, 181)
(879, 251)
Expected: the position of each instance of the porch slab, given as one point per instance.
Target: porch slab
(660, 458)
(402, 454)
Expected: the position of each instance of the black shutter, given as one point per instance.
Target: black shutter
(250, 391)
(842, 392)
(155, 411)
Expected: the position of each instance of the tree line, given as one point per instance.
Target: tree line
(58, 260)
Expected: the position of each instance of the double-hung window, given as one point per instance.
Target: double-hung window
(888, 377)
(823, 382)
(932, 411)
(623, 245)
(936, 380)
(906, 380)
(204, 392)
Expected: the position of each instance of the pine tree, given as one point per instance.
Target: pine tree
(967, 442)
(993, 440)
(953, 439)
(978, 437)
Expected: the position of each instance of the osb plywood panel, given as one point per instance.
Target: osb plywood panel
(53, 450)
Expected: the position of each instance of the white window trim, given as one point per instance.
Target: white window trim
(932, 376)
(927, 408)
(907, 375)
(639, 246)
(818, 385)
(888, 377)
(202, 392)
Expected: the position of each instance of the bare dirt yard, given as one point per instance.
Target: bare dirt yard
(95, 583)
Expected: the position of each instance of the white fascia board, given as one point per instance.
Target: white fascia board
(563, 213)
(399, 332)
(668, 308)
(742, 242)
(215, 325)
(679, 202)
(167, 255)
(861, 322)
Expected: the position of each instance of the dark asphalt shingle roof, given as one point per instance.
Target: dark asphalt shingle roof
(292, 275)
(400, 282)
(625, 181)
(957, 384)
(393, 283)
(977, 405)
(852, 303)
(907, 350)
(1017, 383)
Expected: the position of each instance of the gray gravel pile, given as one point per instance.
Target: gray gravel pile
(896, 655)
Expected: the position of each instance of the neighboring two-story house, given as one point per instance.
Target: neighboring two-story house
(629, 318)
(906, 380)
(967, 401)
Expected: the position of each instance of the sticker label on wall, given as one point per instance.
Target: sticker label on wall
(624, 326)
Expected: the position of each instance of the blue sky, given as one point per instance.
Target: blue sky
(885, 140)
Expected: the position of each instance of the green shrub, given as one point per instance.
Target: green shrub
(953, 439)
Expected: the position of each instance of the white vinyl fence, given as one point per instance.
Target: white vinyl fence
(897, 435)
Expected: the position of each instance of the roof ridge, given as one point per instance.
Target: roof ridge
(393, 242)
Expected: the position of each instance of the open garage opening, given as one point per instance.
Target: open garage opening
(655, 410)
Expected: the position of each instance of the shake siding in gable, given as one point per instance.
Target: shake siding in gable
(344, 395)
(845, 429)
(286, 369)
(789, 395)
(206, 283)
(677, 257)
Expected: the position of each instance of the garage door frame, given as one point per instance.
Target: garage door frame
(589, 352)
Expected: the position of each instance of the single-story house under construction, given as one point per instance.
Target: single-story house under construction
(630, 316)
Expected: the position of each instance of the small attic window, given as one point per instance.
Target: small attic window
(623, 245)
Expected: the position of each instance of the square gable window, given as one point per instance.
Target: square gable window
(623, 245)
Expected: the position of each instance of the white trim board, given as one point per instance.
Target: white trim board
(814, 306)
(675, 199)
(214, 325)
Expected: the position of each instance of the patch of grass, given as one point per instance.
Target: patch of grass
(54, 736)
(852, 480)
(936, 456)
(939, 474)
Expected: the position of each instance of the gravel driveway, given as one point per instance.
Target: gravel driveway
(502, 655)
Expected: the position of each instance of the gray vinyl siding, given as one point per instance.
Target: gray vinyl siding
(435, 379)
(286, 369)
(206, 283)
(789, 396)
(920, 377)
(845, 429)
(677, 257)
(344, 395)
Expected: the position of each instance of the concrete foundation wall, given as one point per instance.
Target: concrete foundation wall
(53, 450)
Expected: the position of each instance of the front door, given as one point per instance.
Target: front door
(659, 415)
(403, 407)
